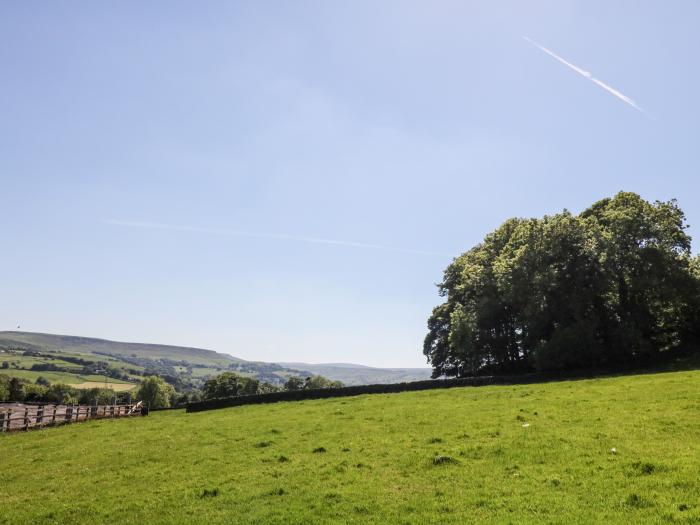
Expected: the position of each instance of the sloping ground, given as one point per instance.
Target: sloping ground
(74, 380)
(617, 450)
(90, 345)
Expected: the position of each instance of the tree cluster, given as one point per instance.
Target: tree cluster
(230, 384)
(13, 389)
(614, 285)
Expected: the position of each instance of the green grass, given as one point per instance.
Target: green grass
(23, 361)
(64, 377)
(525, 454)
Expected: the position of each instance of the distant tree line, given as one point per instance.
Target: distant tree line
(616, 284)
(154, 390)
(13, 389)
(231, 384)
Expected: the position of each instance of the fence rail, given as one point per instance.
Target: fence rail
(14, 416)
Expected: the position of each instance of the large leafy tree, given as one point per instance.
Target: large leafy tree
(156, 392)
(614, 284)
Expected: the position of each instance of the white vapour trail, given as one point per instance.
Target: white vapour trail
(278, 236)
(589, 76)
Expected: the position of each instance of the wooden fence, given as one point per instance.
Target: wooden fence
(15, 416)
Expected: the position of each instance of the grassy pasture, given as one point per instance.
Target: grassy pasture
(74, 380)
(503, 454)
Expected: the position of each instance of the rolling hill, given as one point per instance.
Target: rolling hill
(92, 346)
(196, 364)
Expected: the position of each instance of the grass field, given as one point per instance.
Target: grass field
(615, 450)
(74, 380)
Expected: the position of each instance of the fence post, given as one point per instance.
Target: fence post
(26, 418)
(2, 421)
(69, 414)
(53, 417)
(40, 415)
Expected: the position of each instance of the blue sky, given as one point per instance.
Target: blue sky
(251, 128)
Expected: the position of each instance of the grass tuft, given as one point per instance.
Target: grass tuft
(209, 493)
(444, 460)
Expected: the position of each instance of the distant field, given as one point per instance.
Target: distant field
(75, 380)
(117, 387)
(617, 450)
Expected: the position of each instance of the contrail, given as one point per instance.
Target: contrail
(278, 236)
(589, 76)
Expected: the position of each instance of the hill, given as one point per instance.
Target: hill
(187, 367)
(191, 365)
(614, 450)
(92, 346)
(351, 374)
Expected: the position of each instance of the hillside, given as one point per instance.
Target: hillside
(192, 365)
(614, 450)
(90, 345)
(351, 374)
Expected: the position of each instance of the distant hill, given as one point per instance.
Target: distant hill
(89, 345)
(351, 374)
(196, 364)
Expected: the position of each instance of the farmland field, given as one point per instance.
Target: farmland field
(74, 380)
(613, 450)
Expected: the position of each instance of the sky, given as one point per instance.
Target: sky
(287, 181)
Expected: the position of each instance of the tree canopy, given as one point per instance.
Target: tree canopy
(615, 284)
(229, 384)
(156, 392)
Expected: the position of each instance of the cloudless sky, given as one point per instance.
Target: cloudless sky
(415, 127)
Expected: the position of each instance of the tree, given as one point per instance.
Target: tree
(156, 392)
(229, 384)
(294, 383)
(35, 393)
(613, 285)
(4, 388)
(318, 382)
(267, 388)
(62, 394)
(16, 390)
(97, 396)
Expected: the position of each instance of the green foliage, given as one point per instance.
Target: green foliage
(15, 390)
(313, 382)
(318, 382)
(156, 392)
(613, 285)
(229, 384)
(34, 392)
(294, 383)
(99, 396)
(4, 388)
(380, 466)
